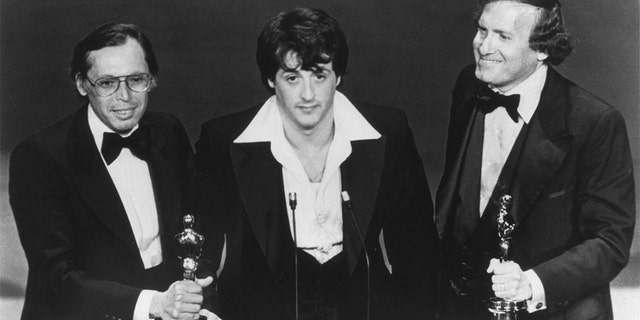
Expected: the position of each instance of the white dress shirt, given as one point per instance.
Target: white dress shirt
(319, 206)
(500, 133)
(132, 180)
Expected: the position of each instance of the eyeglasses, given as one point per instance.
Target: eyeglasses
(109, 85)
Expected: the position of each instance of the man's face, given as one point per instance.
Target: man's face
(305, 97)
(501, 45)
(122, 110)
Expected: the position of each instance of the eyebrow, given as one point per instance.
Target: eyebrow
(314, 68)
(498, 31)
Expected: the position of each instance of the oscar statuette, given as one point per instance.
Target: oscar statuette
(500, 308)
(190, 244)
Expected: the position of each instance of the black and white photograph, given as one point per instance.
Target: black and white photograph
(319, 160)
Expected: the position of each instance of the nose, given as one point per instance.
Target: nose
(308, 92)
(485, 44)
(123, 92)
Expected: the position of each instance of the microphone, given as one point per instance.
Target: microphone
(347, 201)
(293, 202)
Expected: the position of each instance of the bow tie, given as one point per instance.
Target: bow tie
(137, 143)
(488, 100)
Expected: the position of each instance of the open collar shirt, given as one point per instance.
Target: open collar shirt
(318, 214)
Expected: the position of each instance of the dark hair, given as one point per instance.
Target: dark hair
(548, 35)
(109, 35)
(312, 34)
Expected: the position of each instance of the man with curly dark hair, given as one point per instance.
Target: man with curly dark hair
(519, 128)
(268, 183)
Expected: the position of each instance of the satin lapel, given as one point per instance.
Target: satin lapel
(167, 190)
(545, 147)
(259, 178)
(451, 177)
(361, 174)
(93, 181)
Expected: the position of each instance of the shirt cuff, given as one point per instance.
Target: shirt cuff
(538, 299)
(141, 312)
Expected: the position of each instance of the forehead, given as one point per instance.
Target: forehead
(119, 60)
(509, 16)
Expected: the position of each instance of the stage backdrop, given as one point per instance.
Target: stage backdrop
(403, 53)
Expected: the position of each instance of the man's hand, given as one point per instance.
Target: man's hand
(181, 301)
(509, 281)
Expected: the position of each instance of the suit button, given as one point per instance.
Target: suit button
(464, 264)
(539, 305)
(463, 280)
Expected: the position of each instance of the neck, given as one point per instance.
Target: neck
(314, 138)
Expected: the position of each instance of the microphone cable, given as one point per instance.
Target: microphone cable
(347, 201)
(293, 202)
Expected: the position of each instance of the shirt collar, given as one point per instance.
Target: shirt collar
(98, 128)
(350, 124)
(530, 90)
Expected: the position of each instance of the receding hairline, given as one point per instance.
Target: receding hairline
(90, 59)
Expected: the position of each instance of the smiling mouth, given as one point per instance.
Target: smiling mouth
(123, 112)
(489, 61)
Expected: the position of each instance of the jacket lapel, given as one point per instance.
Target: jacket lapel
(545, 147)
(259, 178)
(167, 185)
(361, 174)
(93, 180)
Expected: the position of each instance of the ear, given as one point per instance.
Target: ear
(80, 85)
(542, 56)
(338, 81)
(271, 84)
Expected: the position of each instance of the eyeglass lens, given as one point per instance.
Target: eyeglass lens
(135, 82)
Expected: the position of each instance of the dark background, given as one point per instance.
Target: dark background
(403, 53)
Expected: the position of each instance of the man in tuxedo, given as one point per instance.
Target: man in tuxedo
(97, 196)
(268, 184)
(518, 127)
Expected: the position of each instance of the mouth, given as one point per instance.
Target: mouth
(123, 113)
(307, 108)
(488, 61)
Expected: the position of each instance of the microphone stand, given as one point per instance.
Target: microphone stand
(293, 202)
(347, 201)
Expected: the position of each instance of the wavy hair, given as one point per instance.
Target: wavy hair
(548, 35)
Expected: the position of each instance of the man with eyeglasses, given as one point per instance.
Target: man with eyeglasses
(97, 196)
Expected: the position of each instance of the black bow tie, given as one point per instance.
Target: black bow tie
(488, 100)
(137, 143)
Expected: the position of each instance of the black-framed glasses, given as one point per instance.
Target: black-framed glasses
(106, 86)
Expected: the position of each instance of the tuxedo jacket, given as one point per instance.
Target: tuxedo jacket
(240, 197)
(573, 194)
(83, 259)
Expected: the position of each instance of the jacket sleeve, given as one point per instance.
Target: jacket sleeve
(39, 198)
(604, 207)
(411, 234)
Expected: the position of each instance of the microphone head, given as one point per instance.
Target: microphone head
(345, 196)
(293, 202)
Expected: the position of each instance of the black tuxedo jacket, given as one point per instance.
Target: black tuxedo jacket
(83, 260)
(239, 194)
(573, 194)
